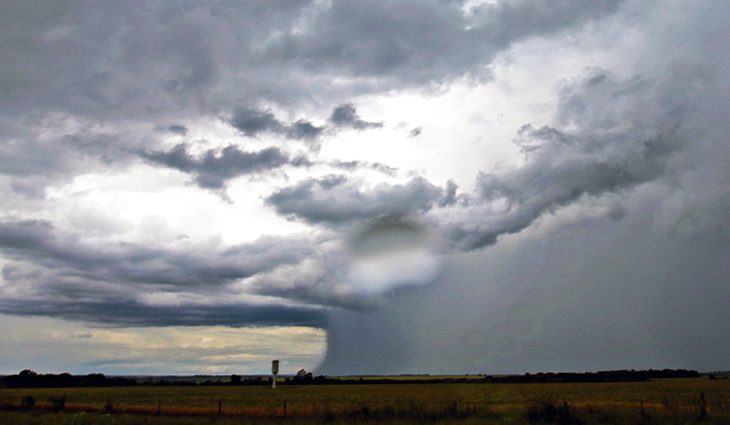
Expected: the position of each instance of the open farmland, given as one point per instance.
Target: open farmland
(660, 401)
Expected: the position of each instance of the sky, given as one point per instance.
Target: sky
(431, 186)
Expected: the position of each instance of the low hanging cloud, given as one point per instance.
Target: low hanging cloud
(50, 270)
(40, 244)
(337, 200)
(213, 169)
(129, 313)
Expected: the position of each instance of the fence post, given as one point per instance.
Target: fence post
(220, 407)
(284, 409)
(159, 407)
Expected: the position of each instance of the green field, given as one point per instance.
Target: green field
(660, 401)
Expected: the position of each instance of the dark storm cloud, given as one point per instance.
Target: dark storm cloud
(130, 70)
(591, 286)
(594, 295)
(38, 243)
(346, 116)
(617, 134)
(213, 169)
(56, 274)
(335, 200)
(116, 312)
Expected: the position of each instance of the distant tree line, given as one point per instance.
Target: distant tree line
(602, 376)
(30, 379)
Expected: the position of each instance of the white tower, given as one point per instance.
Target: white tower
(274, 372)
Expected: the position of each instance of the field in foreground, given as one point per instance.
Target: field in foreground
(661, 401)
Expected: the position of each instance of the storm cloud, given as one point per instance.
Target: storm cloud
(41, 244)
(569, 158)
(567, 277)
(613, 135)
(335, 200)
(126, 313)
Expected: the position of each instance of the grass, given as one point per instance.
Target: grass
(672, 401)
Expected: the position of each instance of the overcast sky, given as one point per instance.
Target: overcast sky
(364, 186)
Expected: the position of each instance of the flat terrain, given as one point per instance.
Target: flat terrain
(660, 401)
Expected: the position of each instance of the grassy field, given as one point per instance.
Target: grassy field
(660, 401)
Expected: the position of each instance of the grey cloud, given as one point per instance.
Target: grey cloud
(106, 60)
(110, 65)
(346, 116)
(213, 169)
(302, 161)
(586, 290)
(254, 121)
(321, 280)
(615, 135)
(450, 196)
(123, 313)
(122, 67)
(123, 70)
(415, 132)
(178, 129)
(302, 129)
(197, 266)
(33, 159)
(251, 121)
(594, 295)
(421, 42)
(56, 274)
(336, 200)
